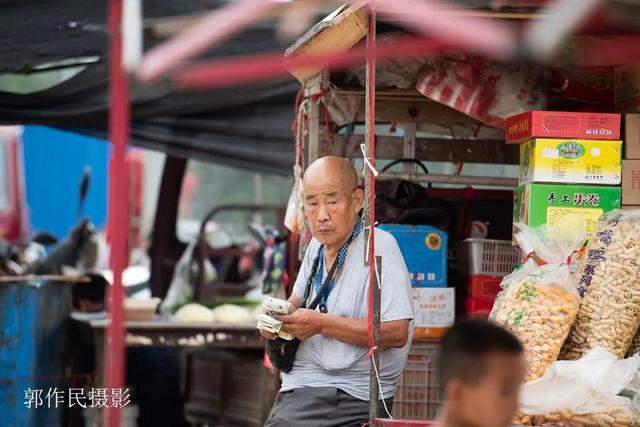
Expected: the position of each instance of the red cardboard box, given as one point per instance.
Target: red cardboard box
(557, 124)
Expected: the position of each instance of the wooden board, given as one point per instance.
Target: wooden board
(404, 106)
(453, 179)
(333, 34)
(432, 149)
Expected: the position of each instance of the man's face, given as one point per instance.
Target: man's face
(494, 399)
(330, 208)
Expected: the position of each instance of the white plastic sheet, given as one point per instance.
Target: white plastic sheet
(584, 386)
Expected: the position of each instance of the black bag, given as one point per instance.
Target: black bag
(404, 202)
(281, 352)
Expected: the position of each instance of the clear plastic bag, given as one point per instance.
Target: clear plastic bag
(609, 278)
(583, 392)
(539, 303)
(294, 216)
(181, 290)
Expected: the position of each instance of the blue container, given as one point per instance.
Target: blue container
(424, 249)
(33, 319)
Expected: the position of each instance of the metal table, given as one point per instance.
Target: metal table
(167, 332)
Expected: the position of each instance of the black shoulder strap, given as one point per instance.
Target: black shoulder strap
(307, 291)
(316, 300)
(314, 270)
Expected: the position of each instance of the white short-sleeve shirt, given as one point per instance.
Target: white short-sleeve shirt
(325, 362)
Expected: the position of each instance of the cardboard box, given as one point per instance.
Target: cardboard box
(538, 204)
(435, 311)
(570, 161)
(627, 88)
(632, 136)
(630, 208)
(631, 182)
(424, 249)
(557, 124)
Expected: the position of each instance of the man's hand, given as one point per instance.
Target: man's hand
(303, 323)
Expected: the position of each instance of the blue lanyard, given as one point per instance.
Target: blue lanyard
(342, 256)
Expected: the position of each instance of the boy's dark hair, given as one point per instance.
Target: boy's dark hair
(466, 345)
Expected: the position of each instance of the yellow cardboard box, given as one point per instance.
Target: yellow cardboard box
(571, 161)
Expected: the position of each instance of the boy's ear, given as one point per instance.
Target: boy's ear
(454, 390)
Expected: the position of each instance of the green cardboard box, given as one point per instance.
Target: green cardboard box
(538, 204)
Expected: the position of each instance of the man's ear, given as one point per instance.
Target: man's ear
(454, 390)
(358, 199)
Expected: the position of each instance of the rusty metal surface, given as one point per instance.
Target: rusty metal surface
(33, 336)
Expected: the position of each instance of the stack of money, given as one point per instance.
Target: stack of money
(274, 326)
(277, 306)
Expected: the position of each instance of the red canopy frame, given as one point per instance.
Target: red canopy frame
(118, 218)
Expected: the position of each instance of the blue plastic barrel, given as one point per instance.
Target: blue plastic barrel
(33, 318)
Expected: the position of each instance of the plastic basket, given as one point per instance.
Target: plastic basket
(479, 307)
(481, 286)
(418, 388)
(487, 257)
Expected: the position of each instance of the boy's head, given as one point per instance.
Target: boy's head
(481, 369)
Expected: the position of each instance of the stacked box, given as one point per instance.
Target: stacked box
(435, 311)
(570, 164)
(560, 124)
(425, 251)
(570, 161)
(544, 204)
(631, 163)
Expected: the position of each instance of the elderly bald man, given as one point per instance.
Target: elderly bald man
(329, 382)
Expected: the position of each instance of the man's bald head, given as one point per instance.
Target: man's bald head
(331, 199)
(333, 166)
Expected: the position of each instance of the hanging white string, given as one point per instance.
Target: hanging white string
(378, 277)
(367, 230)
(384, 403)
(367, 163)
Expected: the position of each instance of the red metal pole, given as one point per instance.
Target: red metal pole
(118, 217)
(371, 124)
(373, 317)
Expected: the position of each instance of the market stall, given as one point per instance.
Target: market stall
(405, 125)
(339, 117)
(323, 109)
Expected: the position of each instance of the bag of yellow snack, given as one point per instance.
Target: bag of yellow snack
(538, 303)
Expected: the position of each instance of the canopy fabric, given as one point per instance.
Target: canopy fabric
(246, 127)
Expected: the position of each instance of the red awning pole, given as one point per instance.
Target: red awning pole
(373, 317)
(118, 218)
